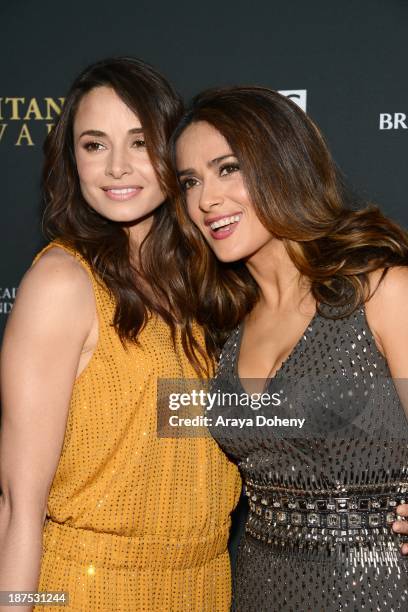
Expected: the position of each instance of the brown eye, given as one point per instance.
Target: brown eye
(228, 169)
(140, 143)
(93, 146)
(188, 184)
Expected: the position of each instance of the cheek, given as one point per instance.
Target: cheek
(147, 172)
(192, 209)
(145, 167)
(258, 234)
(87, 168)
(241, 194)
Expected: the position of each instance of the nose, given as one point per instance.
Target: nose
(210, 196)
(118, 164)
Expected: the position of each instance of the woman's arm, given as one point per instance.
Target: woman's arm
(47, 329)
(387, 314)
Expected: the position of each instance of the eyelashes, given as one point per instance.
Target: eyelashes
(94, 146)
(224, 170)
(140, 142)
(188, 183)
(229, 168)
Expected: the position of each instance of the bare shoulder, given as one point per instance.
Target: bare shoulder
(58, 268)
(386, 310)
(55, 287)
(389, 290)
(58, 273)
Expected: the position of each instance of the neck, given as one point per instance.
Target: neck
(281, 284)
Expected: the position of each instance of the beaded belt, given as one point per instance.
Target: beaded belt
(358, 507)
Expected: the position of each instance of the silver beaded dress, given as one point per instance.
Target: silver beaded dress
(321, 498)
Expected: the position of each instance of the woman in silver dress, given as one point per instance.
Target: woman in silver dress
(309, 296)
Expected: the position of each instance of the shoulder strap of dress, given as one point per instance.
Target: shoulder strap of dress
(103, 299)
(72, 251)
(62, 245)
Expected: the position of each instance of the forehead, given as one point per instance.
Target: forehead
(103, 108)
(201, 140)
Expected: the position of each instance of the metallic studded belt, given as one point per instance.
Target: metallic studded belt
(349, 524)
(352, 509)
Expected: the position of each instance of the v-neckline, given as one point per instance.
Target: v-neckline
(303, 337)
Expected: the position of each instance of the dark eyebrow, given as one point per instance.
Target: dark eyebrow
(212, 162)
(99, 134)
(217, 160)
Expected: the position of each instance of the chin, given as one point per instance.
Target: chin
(123, 214)
(227, 257)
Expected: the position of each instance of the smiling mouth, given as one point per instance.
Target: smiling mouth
(225, 222)
(122, 190)
(122, 193)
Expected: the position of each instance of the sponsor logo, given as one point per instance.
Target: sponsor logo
(393, 121)
(26, 121)
(299, 96)
(7, 297)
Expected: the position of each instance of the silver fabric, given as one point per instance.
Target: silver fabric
(335, 551)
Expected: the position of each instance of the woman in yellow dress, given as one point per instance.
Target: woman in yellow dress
(93, 502)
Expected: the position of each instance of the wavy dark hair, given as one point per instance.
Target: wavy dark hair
(299, 197)
(104, 243)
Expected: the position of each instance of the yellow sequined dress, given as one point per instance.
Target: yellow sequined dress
(134, 521)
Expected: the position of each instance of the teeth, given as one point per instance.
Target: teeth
(122, 191)
(225, 221)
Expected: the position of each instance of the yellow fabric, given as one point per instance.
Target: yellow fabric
(135, 522)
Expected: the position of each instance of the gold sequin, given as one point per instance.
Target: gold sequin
(135, 522)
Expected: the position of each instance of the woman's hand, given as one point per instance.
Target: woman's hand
(402, 526)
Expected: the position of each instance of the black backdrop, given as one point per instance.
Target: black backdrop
(349, 57)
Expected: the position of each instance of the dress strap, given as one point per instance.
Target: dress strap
(105, 303)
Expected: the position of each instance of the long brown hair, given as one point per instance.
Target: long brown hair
(298, 196)
(104, 243)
